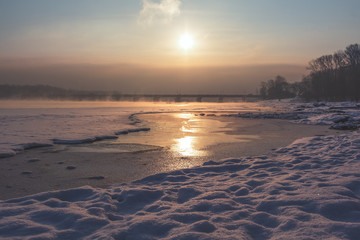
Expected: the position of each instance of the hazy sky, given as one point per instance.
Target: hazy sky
(133, 45)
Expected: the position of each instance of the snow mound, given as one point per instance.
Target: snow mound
(308, 190)
(339, 115)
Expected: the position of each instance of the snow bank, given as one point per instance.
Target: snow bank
(339, 115)
(308, 190)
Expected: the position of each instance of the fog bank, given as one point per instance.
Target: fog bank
(127, 78)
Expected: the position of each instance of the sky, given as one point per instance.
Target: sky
(132, 46)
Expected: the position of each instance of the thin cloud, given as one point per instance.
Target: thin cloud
(163, 11)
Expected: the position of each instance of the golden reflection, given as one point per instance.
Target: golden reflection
(186, 146)
(188, 128)
(189, 124)
(184, 115)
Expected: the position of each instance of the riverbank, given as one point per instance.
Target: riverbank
(187, 140)
(307, 190)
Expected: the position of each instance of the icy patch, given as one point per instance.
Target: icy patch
(26, 146)
(61, 125)
(85, 140)
(76, 141)
(100, 138)
(133, 130)
(4, 153)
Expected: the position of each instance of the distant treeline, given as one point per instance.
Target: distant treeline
(55, 93)
(49, 92)
(332, 77)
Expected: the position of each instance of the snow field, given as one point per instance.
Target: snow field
(308, 190)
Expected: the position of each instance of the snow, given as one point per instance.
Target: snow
(307, 190)
(338, 115)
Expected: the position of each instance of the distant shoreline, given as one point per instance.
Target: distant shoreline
(45, 92)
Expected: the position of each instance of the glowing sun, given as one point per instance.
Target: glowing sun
(186, 42)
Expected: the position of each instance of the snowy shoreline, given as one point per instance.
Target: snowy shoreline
(75, 123)
(307, 190)
(341, 116)
(338, 115)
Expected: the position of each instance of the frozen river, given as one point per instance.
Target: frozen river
(180, 136)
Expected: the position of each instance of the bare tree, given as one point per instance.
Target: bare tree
(334, 77)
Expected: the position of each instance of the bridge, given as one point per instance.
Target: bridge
(186, 97)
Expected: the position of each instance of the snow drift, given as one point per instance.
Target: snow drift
(308, 190)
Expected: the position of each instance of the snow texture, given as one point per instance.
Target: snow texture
(308, 190)
(339, 115)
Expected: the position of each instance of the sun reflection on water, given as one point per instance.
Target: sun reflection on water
(184, 115)
(189, 123)
(186, 146)
(188, 128)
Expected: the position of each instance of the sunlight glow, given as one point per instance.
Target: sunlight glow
(190, 123)
(186, 42)
(184, 115)
(187, 129)
(185, 146)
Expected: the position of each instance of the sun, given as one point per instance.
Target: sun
(186, 41)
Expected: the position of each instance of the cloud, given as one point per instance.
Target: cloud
(163, 11)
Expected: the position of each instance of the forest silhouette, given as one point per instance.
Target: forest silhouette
(332, 77)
